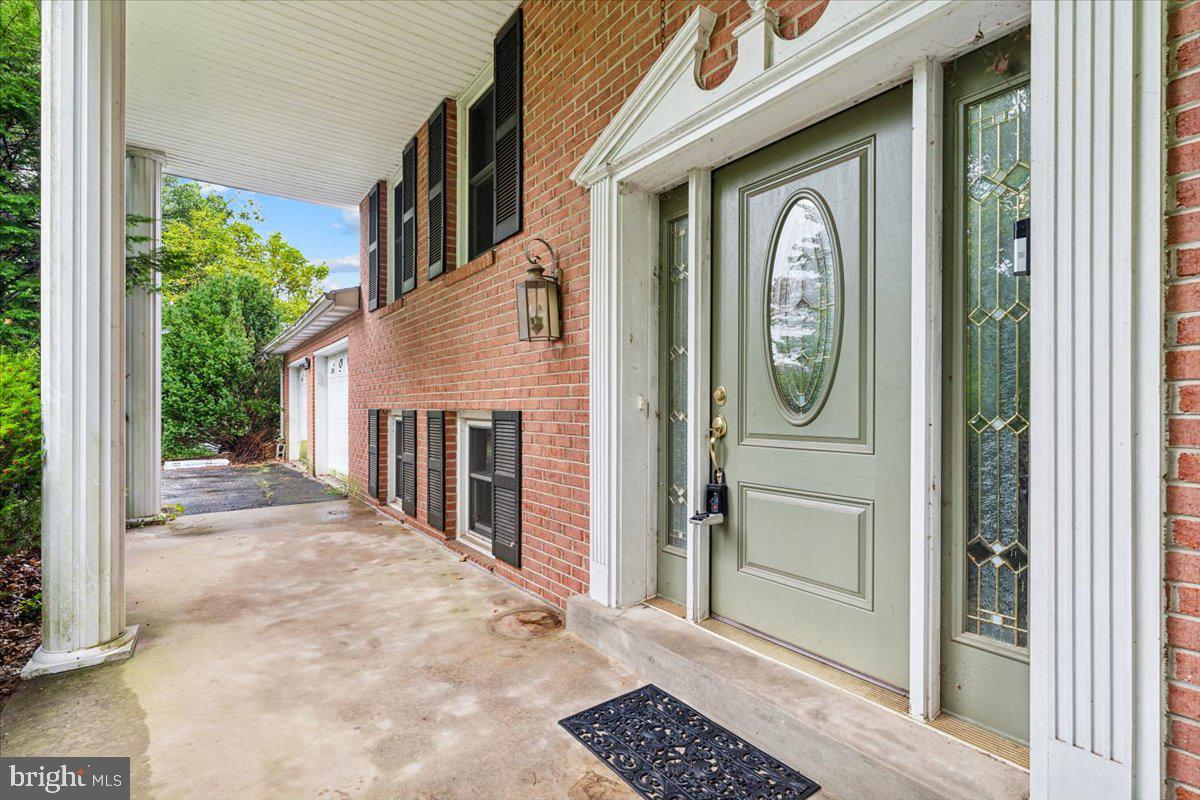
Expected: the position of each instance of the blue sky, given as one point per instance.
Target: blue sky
(322, 233)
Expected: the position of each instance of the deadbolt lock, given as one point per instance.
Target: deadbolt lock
(719, 395)
(719, 427)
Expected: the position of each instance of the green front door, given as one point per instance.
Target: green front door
(811, 261)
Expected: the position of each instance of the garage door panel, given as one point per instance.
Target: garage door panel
(337, 410)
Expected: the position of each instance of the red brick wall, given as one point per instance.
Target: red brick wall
(452, 344)
(1182, 367)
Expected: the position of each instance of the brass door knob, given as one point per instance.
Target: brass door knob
(719, 427)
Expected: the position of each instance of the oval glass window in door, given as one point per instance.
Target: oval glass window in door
(804, 307)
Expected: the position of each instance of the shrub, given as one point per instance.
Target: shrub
(218, 387)
(20, 451)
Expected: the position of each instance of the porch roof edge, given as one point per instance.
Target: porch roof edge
(328, 310)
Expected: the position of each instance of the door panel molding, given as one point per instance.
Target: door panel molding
(826, 508)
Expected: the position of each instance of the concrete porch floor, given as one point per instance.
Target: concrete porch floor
(321, 651)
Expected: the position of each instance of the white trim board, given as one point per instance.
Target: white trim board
(671, 128)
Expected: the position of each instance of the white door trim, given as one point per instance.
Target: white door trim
(297, 415)
(925, 430)
(318, 446)
(671, 130)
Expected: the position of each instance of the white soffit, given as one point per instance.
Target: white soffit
(309, 100)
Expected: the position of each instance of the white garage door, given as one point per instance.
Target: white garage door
(337, 410)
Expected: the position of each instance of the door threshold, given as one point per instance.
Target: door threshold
(968, 733)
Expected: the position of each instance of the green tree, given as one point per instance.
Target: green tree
(206, 234)
(218, 387)
(20, 451)
(20, 143)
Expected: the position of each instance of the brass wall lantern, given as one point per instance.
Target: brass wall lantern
(539, 312)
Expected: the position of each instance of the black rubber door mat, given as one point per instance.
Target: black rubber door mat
(666, 750)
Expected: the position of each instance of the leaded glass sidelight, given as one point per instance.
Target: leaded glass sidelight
(996, 318)
(675, 356)
(803, 308)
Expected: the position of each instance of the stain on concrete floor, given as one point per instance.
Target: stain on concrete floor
(323, 651)
(207, 489)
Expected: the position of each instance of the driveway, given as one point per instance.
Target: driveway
(207, 489)
(323, 651)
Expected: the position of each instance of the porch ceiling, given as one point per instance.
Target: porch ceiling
(308, 100)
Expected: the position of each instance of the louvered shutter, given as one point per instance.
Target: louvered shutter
(397, 435)
(508, 56)
(435, 443)
(408, 218)
(436, 180)
(373, 249)
(397, 274)
(506, 486)
(408, 464)
(373, 453)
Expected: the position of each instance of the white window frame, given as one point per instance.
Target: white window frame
(393, 496)
(393, 184)
(465, 421)
(462, 107)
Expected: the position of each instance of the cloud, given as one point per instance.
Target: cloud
(348, 222)
(343, 272)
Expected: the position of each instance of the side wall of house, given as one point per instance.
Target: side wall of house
(1182, 332)
(451, 343)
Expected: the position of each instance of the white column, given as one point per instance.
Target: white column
(143, 343)
(83, 337)
(1096, 707)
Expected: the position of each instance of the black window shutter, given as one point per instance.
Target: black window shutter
(408, 465)
(435, 442)
(373, 452)
(397, 268)
(408, 218)
(373, 249)
(508, 58)
(436, 180)
(397, 434)
(506, 486)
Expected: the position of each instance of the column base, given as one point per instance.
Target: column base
(47, 663)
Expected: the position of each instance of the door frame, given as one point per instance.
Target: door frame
(298, 407)
(671, 129)
(320, 458)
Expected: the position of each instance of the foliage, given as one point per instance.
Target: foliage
(218, 387)
(20, 451)
(20, 142)
(170, 511)
(207, 234)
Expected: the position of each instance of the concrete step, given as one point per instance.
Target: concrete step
(854, 748)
